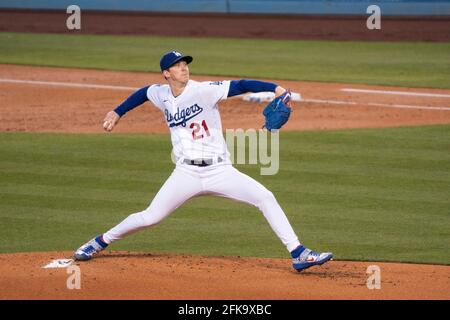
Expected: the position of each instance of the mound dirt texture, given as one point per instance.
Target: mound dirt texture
(128, 275)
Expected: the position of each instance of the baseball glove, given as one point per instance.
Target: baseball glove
(277, 112)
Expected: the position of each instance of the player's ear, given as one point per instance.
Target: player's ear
(166, 74)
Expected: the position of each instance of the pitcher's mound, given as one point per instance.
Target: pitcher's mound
(128, 275)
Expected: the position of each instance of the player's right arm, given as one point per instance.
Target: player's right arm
(136, 99)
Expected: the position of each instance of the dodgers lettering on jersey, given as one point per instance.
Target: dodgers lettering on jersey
(193, 118)
(180, 117)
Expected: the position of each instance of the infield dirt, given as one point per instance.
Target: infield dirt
(54, 108)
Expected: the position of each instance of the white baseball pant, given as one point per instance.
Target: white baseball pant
(188, 181)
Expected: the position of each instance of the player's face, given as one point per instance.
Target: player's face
(179, 72)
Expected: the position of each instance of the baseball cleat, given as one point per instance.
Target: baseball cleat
(307, 258)
(87, 250)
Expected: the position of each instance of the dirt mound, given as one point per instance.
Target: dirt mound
(126, 275)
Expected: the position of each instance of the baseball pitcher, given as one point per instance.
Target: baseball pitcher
(203, 165)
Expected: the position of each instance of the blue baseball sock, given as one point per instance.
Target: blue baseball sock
(297, 251)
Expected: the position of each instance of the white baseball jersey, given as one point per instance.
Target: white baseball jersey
(193, 118)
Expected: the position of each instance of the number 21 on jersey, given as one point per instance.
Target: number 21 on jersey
(197, 129)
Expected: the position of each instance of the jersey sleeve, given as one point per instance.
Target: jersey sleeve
(238, 87)
(216, 90)
(153, 94)
(133, 101)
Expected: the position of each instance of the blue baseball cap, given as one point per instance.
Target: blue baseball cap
(172, 57)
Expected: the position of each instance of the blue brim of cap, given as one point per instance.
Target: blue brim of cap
(188, 60)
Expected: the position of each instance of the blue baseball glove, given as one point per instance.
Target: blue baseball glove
(277, 112)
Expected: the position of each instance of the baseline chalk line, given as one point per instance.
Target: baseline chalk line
(384, 105)
(337, 102)
(69, 84)
(400, 93)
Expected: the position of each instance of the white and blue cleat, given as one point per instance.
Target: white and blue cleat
(304, 258)
(87, 250)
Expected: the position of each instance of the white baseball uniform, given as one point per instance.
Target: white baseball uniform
(196, 133)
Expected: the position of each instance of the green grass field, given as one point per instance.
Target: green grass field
(372, 194)
(402, 64)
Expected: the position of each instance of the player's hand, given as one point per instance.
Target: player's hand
(286, 95)
(110, 120)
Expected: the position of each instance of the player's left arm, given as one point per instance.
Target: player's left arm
(238, 87)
